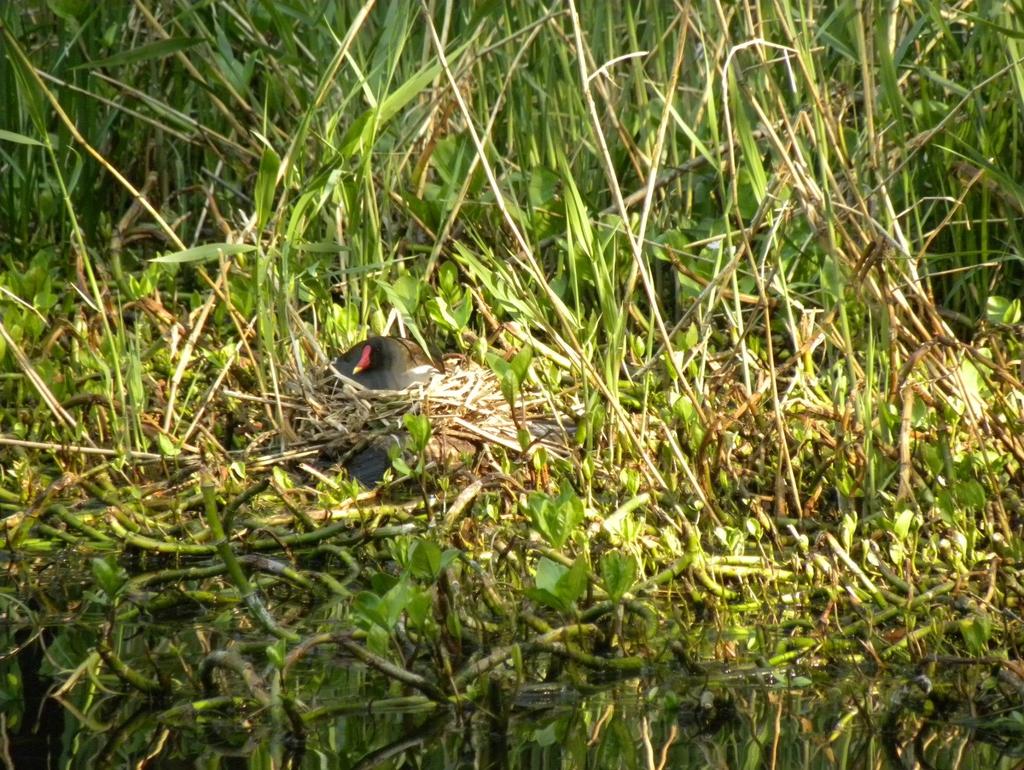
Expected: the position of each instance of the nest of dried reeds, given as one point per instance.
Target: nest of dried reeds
(465, 406)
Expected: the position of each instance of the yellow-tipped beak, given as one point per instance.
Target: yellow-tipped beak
(364, 360)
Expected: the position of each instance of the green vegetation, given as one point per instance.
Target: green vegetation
(770, 252)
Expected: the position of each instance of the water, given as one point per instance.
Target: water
(62, 707)
(970, 718)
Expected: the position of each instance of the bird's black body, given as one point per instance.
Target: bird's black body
(382, 363)
(367, 466)
(386, 363)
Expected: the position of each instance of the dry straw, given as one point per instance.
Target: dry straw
(468, 413)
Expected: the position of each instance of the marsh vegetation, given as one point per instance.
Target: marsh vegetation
(766, 259)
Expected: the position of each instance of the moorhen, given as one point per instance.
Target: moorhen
(393, 363)
(387, 363)
(382, 363)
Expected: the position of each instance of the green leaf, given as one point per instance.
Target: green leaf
(902, 524)
(133, 379)
(558, 586)
(494, 276)
(977, 632)
(525, 438)
(69, 10)
(396, 600)
(521, 364)
(555, 518)
(548, 574)
(418, 608)
(367, 608)
(1000, 310)
(618, 571)
(266, 184)
(425, 560)
(108, 576)
(463, 310)
(574, 583)
(973, 382)
(404, 293)
(167, 446)
(448, 277)
(382, 582)
(399, 464)
(277, 653)
(449, 556)
(971, 494)
(205, 253)
(10, 136)
(509, 387)
(578, 218)
(29, 97)
(452, 318)
(383, 610)
(543, 186)
(160, 49)
(418, 427)
(547, 598)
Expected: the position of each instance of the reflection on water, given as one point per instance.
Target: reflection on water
(229, 696)
(948, 716)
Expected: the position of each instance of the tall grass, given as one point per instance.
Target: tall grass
(773, 248)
